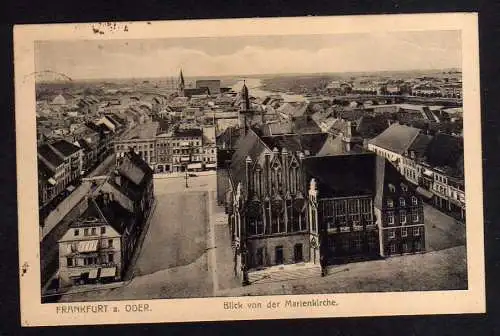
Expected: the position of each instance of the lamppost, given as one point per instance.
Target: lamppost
(186, 175)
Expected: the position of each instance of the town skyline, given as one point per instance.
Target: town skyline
(250, 55)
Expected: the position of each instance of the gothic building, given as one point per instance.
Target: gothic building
(302, 198)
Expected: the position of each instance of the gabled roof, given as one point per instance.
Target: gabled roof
(396, 138)
(92, 216)
(249, 145)
(134, 168)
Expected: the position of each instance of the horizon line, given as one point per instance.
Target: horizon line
(459, 69)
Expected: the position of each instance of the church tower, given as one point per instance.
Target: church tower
(244, 113)
(181, 85)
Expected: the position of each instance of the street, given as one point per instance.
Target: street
(441, 230)
(174, 259)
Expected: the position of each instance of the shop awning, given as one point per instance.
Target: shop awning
(108, 272)
(87, 246)
(75, 273)
(211, 165)
(93, 273)
(427, 172)
(184, 159)
(194, 166)
(424, 192)
(52, 181)
(70, 188)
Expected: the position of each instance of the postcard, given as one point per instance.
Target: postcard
(245, 169)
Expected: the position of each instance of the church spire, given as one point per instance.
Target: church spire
(181, 83)
(245, 99)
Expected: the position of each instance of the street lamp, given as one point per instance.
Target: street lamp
(186, 175)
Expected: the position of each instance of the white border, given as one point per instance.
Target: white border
(33, 313)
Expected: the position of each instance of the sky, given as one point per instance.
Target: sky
(250, 55)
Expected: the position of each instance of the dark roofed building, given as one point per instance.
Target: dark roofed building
(396, 138)
(49, 156)
(446, 152)
(188, 132)
(342, 175)
(196, 91)
(64, 147)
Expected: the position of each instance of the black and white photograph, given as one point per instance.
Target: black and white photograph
(289, 168)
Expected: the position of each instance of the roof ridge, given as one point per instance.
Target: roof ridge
(99, 210)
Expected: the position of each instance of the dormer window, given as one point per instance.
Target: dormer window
(392, 188)
(404, 187)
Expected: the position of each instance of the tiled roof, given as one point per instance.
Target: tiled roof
(339, 176)
(65, 147)
(396, 138)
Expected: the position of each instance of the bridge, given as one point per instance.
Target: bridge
(399, 99)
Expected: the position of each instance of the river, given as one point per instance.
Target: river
(254, 88)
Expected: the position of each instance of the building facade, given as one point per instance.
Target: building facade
(100, 243)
